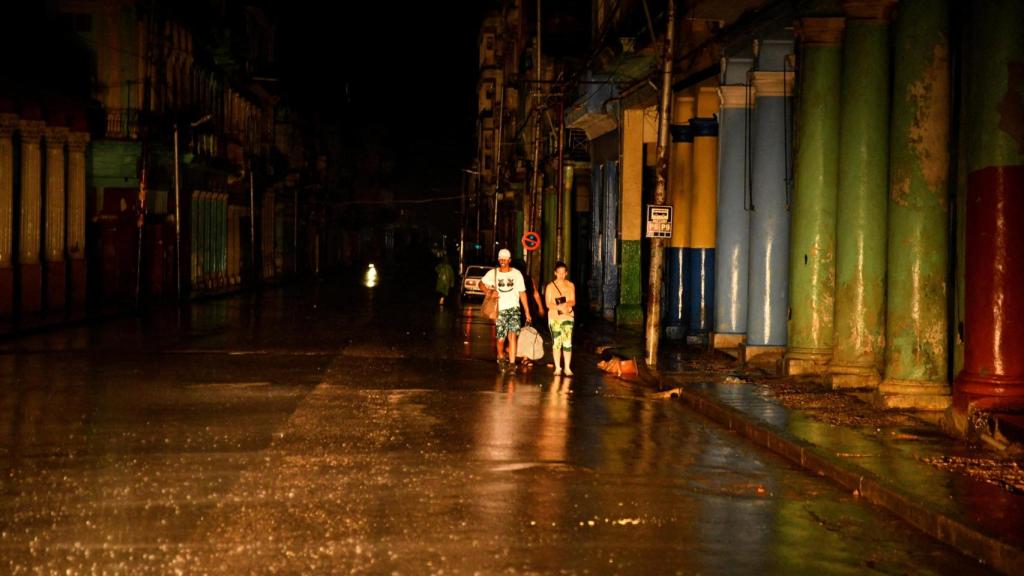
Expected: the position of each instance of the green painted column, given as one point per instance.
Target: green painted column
(517, 245)
(812, 246)
(568, 176)
(859, 340)
(630, 292)
(960, 240)
(916, 351)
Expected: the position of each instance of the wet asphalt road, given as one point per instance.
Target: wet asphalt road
(335, 428)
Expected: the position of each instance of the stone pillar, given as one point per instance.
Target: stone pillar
(768, 288)
(29, 268)
(700, 253)
(568, 211)
(917, 324)
(54, 244)
(812, 249)
(8, 123)
(76, 215)
(732, 230)
(993, 373)
(680, 183)
(630, 311)
(610, 226)
(859, 340)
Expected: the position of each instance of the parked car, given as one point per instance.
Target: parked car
(471, 279)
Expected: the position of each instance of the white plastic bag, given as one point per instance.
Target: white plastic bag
(530, 344)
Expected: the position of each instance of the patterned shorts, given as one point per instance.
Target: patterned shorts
(561, 333)
(508, 322)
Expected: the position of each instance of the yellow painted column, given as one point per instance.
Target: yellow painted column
(700, 254)
(630, 310)
(8, 123)
(705, 174)
(680, 184)
(680, 177)
(77, 142)
(56, 272)
(56, 138)
(31, 211)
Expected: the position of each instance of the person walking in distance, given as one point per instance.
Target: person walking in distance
(445, 279)
(560, 296)
(511, 288)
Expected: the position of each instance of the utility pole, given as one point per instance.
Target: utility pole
(537, 197)
(653, 331)
(462, 226)
(463, 222)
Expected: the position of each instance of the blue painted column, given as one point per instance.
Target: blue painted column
(680, 182)
(768, 287)
(732, 234)
(610, 227)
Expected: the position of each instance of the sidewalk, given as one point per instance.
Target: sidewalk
(969, 497)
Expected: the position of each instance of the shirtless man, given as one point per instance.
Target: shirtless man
(560, 297)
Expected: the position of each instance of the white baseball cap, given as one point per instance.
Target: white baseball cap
(504, 254)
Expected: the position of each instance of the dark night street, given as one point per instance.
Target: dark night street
(334, 428)
(255, 255)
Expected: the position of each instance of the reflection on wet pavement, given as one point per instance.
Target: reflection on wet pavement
(326, 429)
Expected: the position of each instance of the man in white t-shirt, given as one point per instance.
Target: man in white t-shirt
(511, 289)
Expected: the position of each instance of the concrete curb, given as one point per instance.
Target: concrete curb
(991, 551)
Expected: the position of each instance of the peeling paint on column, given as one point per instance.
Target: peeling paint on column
(812, 259)
(630, 289)
(859, 341)
(1011, 108)
(918, 230)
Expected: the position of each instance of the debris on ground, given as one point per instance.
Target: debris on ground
(1007, 474)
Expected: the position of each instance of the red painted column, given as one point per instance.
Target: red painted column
(993, 373)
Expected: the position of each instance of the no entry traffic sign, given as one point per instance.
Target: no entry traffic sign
(531, 241)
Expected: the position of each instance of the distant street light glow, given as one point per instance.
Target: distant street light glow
(370, 278)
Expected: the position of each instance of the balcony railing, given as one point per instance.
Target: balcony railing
(122, 124)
